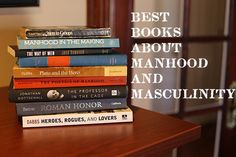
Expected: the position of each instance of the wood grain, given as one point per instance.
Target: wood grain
(150, 134)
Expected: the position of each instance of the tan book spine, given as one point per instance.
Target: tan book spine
(11, 51)
(69, 71)
(84, 118)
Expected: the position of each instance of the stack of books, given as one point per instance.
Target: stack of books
(69, 76)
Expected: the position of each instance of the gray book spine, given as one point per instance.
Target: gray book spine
(42, 108)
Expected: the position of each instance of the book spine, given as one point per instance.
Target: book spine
(67, 43)
(69, 82)
(60, 33)
(57, 52)
(69, 71)
(85, 60)
(66, 94)
(77, 119)
(42, 108)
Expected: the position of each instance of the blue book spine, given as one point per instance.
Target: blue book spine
(85, 60)
(67, 43)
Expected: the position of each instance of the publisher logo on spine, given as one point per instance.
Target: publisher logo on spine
(124, 117)
(114, 92)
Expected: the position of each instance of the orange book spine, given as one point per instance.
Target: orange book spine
(50, 72)
(69, 82)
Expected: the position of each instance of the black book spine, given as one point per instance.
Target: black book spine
(42, 108)
(65, 94)
(55, 52)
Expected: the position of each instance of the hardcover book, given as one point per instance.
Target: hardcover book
(82, 60)
(67, 43)
(66, 93)
(96, 117)
(43, 108)
(27, 83)
(15, 52)
(63, 32)
(42, 72)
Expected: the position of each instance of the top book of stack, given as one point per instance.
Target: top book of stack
(53, 37)
(64, 32)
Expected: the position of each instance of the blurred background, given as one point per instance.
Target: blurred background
(208, 31)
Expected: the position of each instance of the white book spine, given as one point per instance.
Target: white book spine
(77, 119)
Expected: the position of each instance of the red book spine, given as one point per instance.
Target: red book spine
(69, 82)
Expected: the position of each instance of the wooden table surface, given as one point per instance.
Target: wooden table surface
(150, 134)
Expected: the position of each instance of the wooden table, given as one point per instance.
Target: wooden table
(150, 134)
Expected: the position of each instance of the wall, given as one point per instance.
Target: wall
(50, 12)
